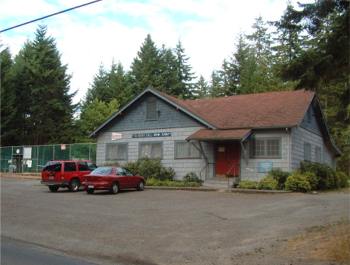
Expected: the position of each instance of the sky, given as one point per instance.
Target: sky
(113, 30)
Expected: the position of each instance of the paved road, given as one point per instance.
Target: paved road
(14, 252)
(165, 227)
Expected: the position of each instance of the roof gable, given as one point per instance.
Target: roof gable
(121, 113)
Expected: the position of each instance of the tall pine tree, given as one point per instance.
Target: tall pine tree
(8, 102)
(42, 87)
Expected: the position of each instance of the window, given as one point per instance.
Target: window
(318, 154)
(116, 151)
(102, 171)
(265, 148)
(83, 166)
(184, 149)
(52, 166)
(307, 151)
(69, 166)
(150, 150)
(151, 109)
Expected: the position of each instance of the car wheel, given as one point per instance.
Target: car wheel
(90, 191)
(74, 185)
(115, 188)
(141, 186)
(53, 188)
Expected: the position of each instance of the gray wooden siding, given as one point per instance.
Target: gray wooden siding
(181, 166)
(299, 137)
(310, 122)
(249, 166)
(135, 118)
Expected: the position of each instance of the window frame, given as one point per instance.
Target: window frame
(265, 140)
(320, 154)
(189, 156)
(151, 142)
(148, 101)
(117, 159)
(310, 151)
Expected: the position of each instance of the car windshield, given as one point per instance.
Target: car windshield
(102, 171)
(52, 166)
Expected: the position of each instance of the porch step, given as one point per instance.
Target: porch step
(218, 183)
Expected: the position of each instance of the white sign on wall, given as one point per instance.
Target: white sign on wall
(116, 136)
(27, 153)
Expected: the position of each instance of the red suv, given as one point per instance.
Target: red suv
(65, 174)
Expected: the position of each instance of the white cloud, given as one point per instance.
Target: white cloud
(98, 34)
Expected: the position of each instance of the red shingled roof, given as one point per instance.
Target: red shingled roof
(208, 134)
(261, 110)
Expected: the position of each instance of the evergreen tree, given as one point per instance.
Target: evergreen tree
(201, 88)
(216, 87)
(42, 87)
(8, 100)
(323, 65)
(184, 73)
(100, 87)
(168, 79)
(145, 68)
(93, 116)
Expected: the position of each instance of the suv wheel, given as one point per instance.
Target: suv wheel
(74, 185)
(53, 188)
(115, 188)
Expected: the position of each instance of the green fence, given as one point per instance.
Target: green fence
(33, 158)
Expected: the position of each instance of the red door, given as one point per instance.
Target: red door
(227, 156)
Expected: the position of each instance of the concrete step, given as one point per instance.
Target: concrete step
(217, 183)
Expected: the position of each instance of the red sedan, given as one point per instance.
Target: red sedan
(113, 179)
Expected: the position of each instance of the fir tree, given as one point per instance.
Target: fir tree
(145, 68)
(42, 88)
(8, 102)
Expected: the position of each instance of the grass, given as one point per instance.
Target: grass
(327, 243)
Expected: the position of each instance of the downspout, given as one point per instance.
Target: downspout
(201, 150)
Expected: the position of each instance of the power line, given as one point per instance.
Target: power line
(57, 13)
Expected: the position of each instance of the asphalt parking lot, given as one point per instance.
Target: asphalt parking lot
(165, 227)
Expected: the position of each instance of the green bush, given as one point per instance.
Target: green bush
(150, 168)
(268, 183)
(327, 176)
(247, 184)
(171, 183)
(280, 176)
(192, 177)
(298, 182)
(342, 179)
(312, 179)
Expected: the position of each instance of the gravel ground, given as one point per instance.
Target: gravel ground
(166, 227)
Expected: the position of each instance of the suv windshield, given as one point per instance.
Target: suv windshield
(102, 171)
(52, 166)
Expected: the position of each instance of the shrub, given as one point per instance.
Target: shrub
(327, 176)
(247, 184)
(342, 179)
(171, 183)
(268, 183)
(280, 176)
(192, 177)
(150, 168)
(298, 182)
(312, 179)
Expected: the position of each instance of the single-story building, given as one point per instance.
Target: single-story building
(241, 135)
